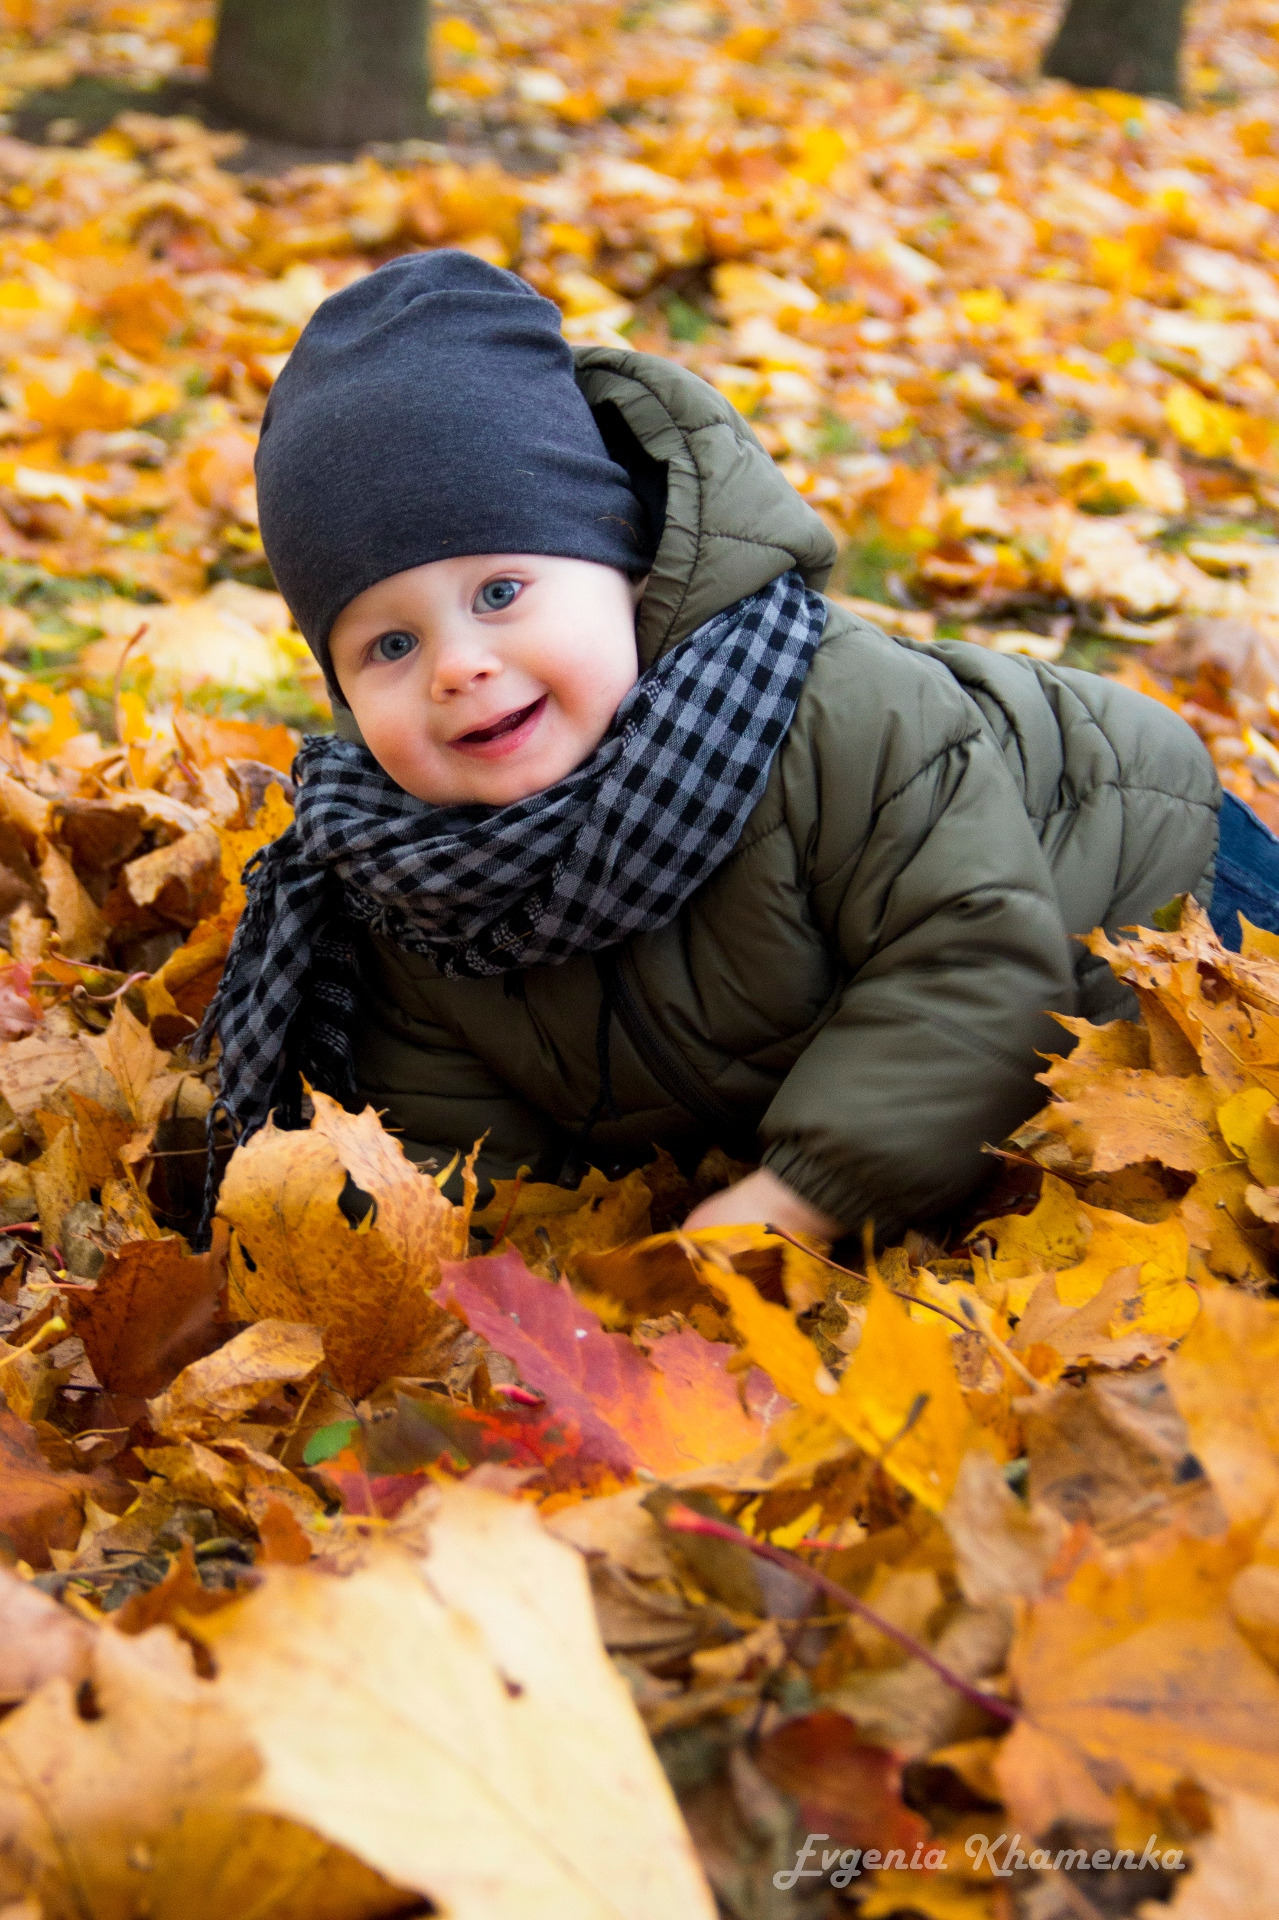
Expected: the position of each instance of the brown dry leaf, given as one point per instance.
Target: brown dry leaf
(655, 1276)
(909, 1708)
(81, 927)
(38, 1639)
(29, 1381)
(1236, 1866)
(297, 1256)
(478, 1745)
(17, 1193)
(1094, 1333)
(154, 1793)
(138, 1067)
(1044, 1780)
(1116, 1453)
(284, 1541)
(39, 1508)
(1138, 1665)
(211, 1392)
(180, 879)
(180, 1592)
(1132, 1115)
(32, 1070)
(1003, 1546)
(126, 1215)
(230, 1476)
(1217, 1219)
(1225, 1381)
(617, 1527)
(100, 1134)
(98, 834)
(600, 1213)
(30, 812)
(150, 1312)
(60, 1180)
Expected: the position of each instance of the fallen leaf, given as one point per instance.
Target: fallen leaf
(150, 1312)
(138, 1067)
(1116, 1453)
(1141, 1668)
(563, 1222)
(363, 1276)
(81, 927)
(1003, 1545)
(180, 1592)
(1235, 1873)
(60, 1181)
(284, 1543)
(618, 1527)
(676, 1410)
(1086, 1246)
(478, 1745)
(1100, 1333)
(38, 1640)
(899, 1396)
(39, 1508)
(32, 1070)
(158, 1783)
(1225, 1382)
(1045, 1782)
(848, 1790)
(211, 1392)
(1130, 1115)
(179, 880)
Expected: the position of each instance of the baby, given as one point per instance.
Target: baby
(628, 838)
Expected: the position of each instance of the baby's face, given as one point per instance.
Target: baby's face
(490, 677)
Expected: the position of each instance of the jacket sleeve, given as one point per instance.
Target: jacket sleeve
(946, 921)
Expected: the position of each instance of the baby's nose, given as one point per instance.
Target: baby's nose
(458, 670)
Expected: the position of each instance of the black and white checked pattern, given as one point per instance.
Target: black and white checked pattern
(615, 848)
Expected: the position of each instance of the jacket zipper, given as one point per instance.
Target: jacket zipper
(666, 1064)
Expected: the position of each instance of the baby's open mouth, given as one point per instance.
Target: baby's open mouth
(498, 729)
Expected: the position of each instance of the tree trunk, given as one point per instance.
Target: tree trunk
(324, 73)
(1131, 45)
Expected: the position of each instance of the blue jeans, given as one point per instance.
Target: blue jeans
(1247, 874)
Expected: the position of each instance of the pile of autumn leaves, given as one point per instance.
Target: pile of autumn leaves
(348, 1563)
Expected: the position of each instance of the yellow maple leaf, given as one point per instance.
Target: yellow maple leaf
(899, 1397)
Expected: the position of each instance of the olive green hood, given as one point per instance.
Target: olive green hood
(733, 521)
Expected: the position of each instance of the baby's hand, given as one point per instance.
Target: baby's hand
(762, 1197)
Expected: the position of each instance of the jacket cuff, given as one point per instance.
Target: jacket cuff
(822, 1189)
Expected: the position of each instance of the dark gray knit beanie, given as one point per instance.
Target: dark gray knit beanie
(430, 410)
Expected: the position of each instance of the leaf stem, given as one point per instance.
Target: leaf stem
(684, 1520)
(968, 1324)
(29, 1345)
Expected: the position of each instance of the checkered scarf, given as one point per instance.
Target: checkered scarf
(613, 849)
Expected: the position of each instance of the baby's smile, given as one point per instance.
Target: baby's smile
(503, 736)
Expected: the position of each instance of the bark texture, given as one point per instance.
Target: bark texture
(324, 73)
(1131, 45)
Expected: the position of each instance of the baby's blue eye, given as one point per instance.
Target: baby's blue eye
(394, 646)
(496, 594)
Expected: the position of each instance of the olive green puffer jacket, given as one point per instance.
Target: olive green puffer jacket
(857, 994)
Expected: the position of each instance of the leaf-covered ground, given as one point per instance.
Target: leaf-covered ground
(394, 1553)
